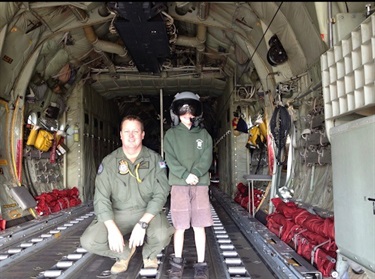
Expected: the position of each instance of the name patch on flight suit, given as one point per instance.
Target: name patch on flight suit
(145, 165)
(123, 167)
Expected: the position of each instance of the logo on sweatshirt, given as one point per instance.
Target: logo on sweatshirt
(199, 143)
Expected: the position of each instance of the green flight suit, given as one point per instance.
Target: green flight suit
(124, 191)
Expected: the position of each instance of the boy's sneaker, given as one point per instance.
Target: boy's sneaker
(122, 265)
(200, 271)
(177, 267)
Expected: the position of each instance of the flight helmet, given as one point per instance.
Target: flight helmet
(186, 102)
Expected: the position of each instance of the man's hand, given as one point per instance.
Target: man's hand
(116, 240)
(192, 179)
(137, 236)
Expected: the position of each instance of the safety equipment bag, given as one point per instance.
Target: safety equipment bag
(44, 140)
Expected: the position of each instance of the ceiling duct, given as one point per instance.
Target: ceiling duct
(203, 9)
(143, 31)
(197, 42)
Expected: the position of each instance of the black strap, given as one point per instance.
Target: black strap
(280, 126)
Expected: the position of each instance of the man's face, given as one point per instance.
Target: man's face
(131, 134)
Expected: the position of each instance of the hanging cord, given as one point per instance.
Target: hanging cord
(136, 176)
(250, 59)
(280, 126)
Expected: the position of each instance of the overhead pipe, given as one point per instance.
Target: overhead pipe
(99, 46)
(103, 46)
(197, 42)
(203, 9)
(330, 24)
(80, 14)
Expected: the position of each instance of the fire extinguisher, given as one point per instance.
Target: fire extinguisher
(76, 132)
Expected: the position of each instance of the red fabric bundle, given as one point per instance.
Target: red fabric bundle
(275, 223)
(307, 231)
(238, 198)
(242, 188)
(329, 228)
(57, 200)
(2, 224)
(288, 227)
(245, 202)
(304, 248)
(325, 261)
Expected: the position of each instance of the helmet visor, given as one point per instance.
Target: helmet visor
(181, 107)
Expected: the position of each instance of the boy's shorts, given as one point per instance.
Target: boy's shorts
(190, 205)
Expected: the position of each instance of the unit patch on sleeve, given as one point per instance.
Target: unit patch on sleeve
(100, 169)
(162, 165)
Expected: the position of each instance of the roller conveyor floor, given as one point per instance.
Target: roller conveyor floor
(50, 248)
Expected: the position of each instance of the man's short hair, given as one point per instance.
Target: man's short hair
(132, 118)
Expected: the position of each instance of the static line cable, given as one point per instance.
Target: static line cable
(256, 48)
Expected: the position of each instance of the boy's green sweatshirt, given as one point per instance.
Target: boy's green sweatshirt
(188, 151)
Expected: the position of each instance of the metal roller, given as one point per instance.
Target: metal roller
(68, 224)
(218, 228)
(230, 254)
(64, 264)
(81, 250)
(14, 250)
(74, 256)
(3, 257)
(26, 244)
(227, 246)
(39, 239)
(236, 261)
(52, 273)
(61, 228)
(222, 236)
(224, 241)
(237, 270)
(148, 272)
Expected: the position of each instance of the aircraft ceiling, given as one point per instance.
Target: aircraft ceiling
(129, 51)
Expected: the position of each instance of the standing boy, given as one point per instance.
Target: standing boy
(188, 153)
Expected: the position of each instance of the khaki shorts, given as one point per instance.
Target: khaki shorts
(190, 205)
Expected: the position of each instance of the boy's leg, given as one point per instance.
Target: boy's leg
(180, 212)
(201, 217)
(200, 243)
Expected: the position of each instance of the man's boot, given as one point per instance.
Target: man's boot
(122, 265)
